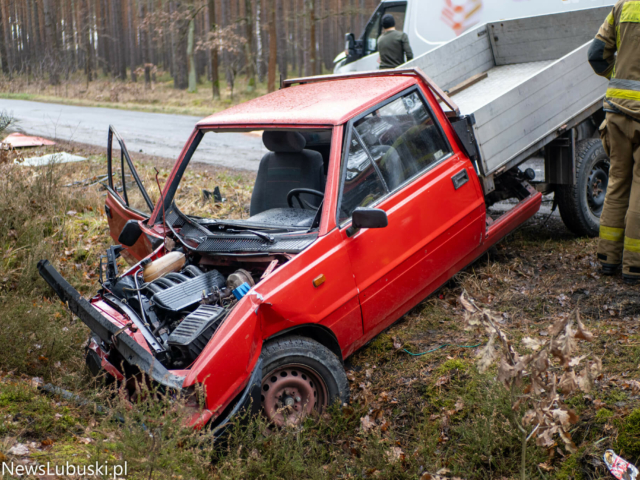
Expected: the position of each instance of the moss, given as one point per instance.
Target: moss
(570, 469)
(628, 442)
(453, 365)
(603, 415)
(382, 343)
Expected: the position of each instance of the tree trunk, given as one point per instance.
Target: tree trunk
(282, 38)
(132, 41)
(52, 55)
(180, 62)
(85, 38)
(273, 50)
(312, 38)
(259, 41)
(215, 80)
(191, 58)
(248, 47)
(144, 42)
(6, 44)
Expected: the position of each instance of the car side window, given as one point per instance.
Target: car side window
(362, 185)
(403, 139)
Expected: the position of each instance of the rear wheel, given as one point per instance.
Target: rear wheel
(301, 376)
(581, 204)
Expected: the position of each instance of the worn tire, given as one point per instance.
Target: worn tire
(578, 214)
(307, 353)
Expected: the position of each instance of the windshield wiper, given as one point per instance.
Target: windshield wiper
(264, 236)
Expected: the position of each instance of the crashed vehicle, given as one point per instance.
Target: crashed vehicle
(367, 201)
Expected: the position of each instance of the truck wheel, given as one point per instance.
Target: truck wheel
(581, 204)
(301, 376)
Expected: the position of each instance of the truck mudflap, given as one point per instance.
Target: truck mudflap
(130, 350)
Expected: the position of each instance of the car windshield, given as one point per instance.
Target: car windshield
(274, 180)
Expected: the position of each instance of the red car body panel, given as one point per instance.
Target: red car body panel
(323, 103)
(374, 276)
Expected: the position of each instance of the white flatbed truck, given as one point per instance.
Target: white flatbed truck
(526, 89)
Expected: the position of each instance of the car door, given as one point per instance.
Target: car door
(127, 199)
(399, 160)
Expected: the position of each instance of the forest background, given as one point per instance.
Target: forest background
(228, 46)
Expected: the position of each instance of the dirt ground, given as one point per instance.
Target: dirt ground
(419, 409)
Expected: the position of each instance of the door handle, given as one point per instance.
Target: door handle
(460, 178)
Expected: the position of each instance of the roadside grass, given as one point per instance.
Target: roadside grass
(410, 417)
(161, 97)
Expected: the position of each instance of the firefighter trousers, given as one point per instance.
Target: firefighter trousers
(620, 220)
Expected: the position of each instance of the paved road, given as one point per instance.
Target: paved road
(151, 133)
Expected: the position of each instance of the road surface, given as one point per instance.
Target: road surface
(151, 133)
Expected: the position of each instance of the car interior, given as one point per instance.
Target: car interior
(290, 182)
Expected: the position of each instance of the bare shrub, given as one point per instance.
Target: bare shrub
(532, 378)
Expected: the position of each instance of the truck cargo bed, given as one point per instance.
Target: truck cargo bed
(537, 80)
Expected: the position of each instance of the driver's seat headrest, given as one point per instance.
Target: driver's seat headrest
(283, 142)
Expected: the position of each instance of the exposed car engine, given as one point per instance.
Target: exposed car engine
(176, 304)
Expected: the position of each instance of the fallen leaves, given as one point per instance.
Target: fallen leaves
(547, 416)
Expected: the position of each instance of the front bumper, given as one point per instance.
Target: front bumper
(247, 401)
(109, 333)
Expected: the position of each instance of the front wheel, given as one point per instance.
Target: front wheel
(300, 376)
(581, 204)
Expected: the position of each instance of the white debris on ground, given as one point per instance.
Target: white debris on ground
(19, 450)
(61, 157)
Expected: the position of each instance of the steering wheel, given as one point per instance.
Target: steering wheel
(303, 203)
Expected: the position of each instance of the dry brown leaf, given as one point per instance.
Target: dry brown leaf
(583, 333)
(487, 354)
(568, 382)
(397, 344)
(442, 381)
(468, 306)
(395, 454)
(545, 466)
(366, 423)
(531, 343)
(568, 442)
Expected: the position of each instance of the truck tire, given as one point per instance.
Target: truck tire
(581, 204)
(300, 376)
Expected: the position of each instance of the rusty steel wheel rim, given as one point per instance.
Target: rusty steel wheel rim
(291, 392)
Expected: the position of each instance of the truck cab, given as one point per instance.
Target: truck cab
(429, 23)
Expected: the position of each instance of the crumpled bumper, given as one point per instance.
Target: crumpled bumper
(109, 333)
(247, 401)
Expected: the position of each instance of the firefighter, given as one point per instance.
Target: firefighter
(619, 243)
(392, 44)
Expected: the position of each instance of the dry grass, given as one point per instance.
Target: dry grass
(127, 95)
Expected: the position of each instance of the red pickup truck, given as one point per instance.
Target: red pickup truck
(366, 201)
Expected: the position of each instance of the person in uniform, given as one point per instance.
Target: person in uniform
(615, 54)
(393, 45)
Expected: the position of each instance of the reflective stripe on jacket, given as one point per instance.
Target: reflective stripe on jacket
(620, 33)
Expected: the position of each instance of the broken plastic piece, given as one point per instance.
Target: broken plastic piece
(62, 157)
(619, 467)
(241, 291)
(20, 140)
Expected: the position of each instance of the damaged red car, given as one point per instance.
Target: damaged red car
(366, 200)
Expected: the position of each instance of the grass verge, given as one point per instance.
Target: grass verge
(410, 416)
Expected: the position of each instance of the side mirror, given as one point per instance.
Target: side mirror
(350, 44)
(369, 218)
(130, 233)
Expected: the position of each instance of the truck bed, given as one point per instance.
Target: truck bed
(538, 80)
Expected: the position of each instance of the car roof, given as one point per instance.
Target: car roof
(329, 102)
